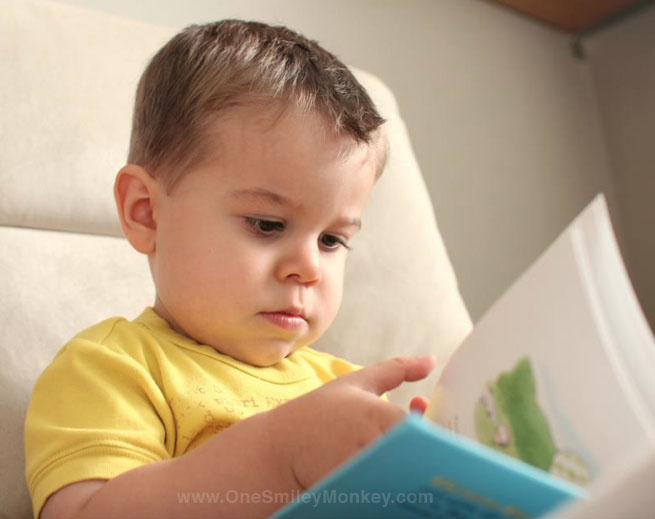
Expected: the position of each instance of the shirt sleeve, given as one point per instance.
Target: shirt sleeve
(95, 413)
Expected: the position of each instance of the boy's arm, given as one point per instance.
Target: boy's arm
(255, 466)
(239, 460)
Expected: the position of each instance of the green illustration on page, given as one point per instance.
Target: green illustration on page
(508, 418)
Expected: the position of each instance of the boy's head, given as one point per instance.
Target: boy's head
(207, 71)
(253, 154)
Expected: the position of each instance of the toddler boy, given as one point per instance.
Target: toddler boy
(252, 156)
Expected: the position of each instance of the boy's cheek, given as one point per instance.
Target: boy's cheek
(333, 295)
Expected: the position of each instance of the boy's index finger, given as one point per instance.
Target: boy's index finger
(389, 374)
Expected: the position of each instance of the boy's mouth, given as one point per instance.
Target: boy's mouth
(290, 319)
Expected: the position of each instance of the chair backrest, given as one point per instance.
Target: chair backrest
(69, 77)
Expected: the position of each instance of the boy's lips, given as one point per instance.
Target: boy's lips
(290, 319)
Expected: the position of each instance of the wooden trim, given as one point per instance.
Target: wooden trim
(571, 15)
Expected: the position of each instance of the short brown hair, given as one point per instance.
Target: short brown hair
(207, 69)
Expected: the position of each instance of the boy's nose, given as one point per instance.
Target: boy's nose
(301, 264)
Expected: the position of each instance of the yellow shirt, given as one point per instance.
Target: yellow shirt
(125, 393)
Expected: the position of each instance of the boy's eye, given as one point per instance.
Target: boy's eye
(331, 242)
(264, 227)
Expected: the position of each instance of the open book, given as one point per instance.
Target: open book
(540, 406)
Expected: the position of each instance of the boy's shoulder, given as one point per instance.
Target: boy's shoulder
(115, 333)
(103, 331)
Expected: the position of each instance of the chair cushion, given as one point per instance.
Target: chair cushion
(53, 284)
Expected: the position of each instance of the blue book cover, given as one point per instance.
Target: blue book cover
(420, 470)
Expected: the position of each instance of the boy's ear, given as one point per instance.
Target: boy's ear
(135, 192)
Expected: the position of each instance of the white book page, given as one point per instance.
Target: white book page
(543, 337)
(625, 491)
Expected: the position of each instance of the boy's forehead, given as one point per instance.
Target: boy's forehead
(274, 151)
(271, 126)
(261, 132)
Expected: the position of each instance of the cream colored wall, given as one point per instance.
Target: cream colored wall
(503, 118)
(623, 65)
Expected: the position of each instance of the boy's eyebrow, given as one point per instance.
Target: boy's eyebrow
(276, 198)
(350, 222)
(262, 194)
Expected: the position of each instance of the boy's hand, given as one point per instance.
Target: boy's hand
(313, 434)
